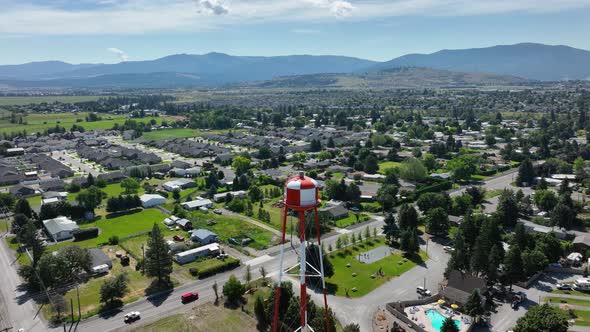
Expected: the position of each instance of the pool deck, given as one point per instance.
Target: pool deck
(418, 315)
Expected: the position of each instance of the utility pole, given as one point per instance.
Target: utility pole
(79, 310)
(142, 259)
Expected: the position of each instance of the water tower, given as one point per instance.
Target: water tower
(301, 195)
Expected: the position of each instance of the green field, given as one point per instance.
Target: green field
(5, 101)
(384, 165)
(41, 122)
(583, 317)
(570, 292)
(204, 318)
(227, 227)
(566, 300)
(351, 220)
(180, 133)
(392, 266)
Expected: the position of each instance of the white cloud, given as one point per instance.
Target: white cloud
(127, 17)
(306, 31)
(213, 7)
(122, 55)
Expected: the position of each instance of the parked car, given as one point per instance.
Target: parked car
(423, 291)
(448, 249)
(564, 286)
(189, 297)
(132, 317)
(217, 211)
(178, 238)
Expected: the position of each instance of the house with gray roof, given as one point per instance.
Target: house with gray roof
(204, 236)
(60, 228)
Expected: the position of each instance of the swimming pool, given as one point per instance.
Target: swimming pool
(437, 319)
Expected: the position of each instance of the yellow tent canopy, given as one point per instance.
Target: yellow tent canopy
(454, 306)
(441, 301)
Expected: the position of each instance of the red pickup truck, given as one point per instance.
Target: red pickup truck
(189, 297)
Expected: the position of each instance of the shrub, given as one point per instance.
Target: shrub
(228, 264)
(194, 271)
(114, 240)
(85, 233)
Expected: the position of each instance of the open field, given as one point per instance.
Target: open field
(384, 165)
(227, 227)
(204, 318)
(391, 266)
(180, 133)
(351, 220)
(582, 317)
(4, 101)
(41, 122)
(567, 300)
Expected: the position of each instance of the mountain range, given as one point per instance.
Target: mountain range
(508, 62)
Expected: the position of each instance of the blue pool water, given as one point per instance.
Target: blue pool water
(438, 319)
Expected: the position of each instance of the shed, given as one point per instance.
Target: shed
(335, 212)
(150, 200)
(204, 236)
(98, 258)
(197, 204)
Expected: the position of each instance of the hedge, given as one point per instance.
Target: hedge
(443, 185)
(228, 264)
(85, 233)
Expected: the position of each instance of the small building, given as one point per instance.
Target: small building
(335, 212)
(60, 228)
(197, 204)
(22, 191)
(15, 151)
(456, 220)
(112, 177)
(151, 200)
(235, 194)
(193, 254)
(185, 224)
(170, 221)
(99, 258)
(179, 184)
(204, 236)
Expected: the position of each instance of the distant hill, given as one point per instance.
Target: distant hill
(528, 60)
(406, 77)
(226, 68)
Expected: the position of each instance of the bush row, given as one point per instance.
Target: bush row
(227, 264)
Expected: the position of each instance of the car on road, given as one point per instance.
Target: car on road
(423, 291)
(132, 317)
(189, 297)
(178, 238)
(448, 249)
(217, 211)
(564, 286)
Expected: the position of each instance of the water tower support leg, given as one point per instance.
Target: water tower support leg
(302, 268)
(317, 229)
(278, 288)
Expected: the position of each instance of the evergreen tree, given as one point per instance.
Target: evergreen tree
(408, 217)
(22, 207)
(507, 212)
(526, 173)
(514, 266)
(449, 325)
(473, 306)
(158, 261)
(260, 313)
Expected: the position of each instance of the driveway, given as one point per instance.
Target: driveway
(63, 157)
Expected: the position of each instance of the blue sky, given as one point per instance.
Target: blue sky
(108, 31)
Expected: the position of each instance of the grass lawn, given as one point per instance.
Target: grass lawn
(392, 266)
(227, 227)
(90, 291)
(384, 165)
(351, 220)
(493, 193)
(566, 300)
(204, 318)
(570, 292)
(121, 226)
(583, 317)
(113, 189)
(35, 200)
(40, 122)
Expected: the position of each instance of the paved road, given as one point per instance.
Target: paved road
(64, 158)
(21, 312)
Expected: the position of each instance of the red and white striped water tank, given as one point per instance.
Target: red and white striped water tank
(301, 192)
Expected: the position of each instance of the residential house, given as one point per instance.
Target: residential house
(335, 212)
(235, 194)
(203, 236)
(112, 177)
(22, 191)
(581, 243)
(10, 175)
(99, 258)
(53, 184)
(180, 164)
(60, 228)
(193, 254)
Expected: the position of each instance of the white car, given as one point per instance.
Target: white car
(448, 249)
(132, 317)
(423, 291)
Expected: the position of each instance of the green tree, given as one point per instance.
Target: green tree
(241, 164)
(90, 198)
(248, 275)
(533, 261)
(371, 165)
(407, 217)
(429, 201)
(412, 169)
(215, 290)
(473, 305)
(22, 207)
(409, 241)
(507, 211)
(463, 167)
(352, 327)
(176, 194)
(113, 289)
(514, 265)
(543, 318)
(255, 194)
(563, 215)
(449, 325)
(130, 185)
(260, 313)
(429, 161)
(545, 199)
(233, 290)
(526, 173)
(78, 259)
(158, 261)
(437, 222)
(386, 196)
